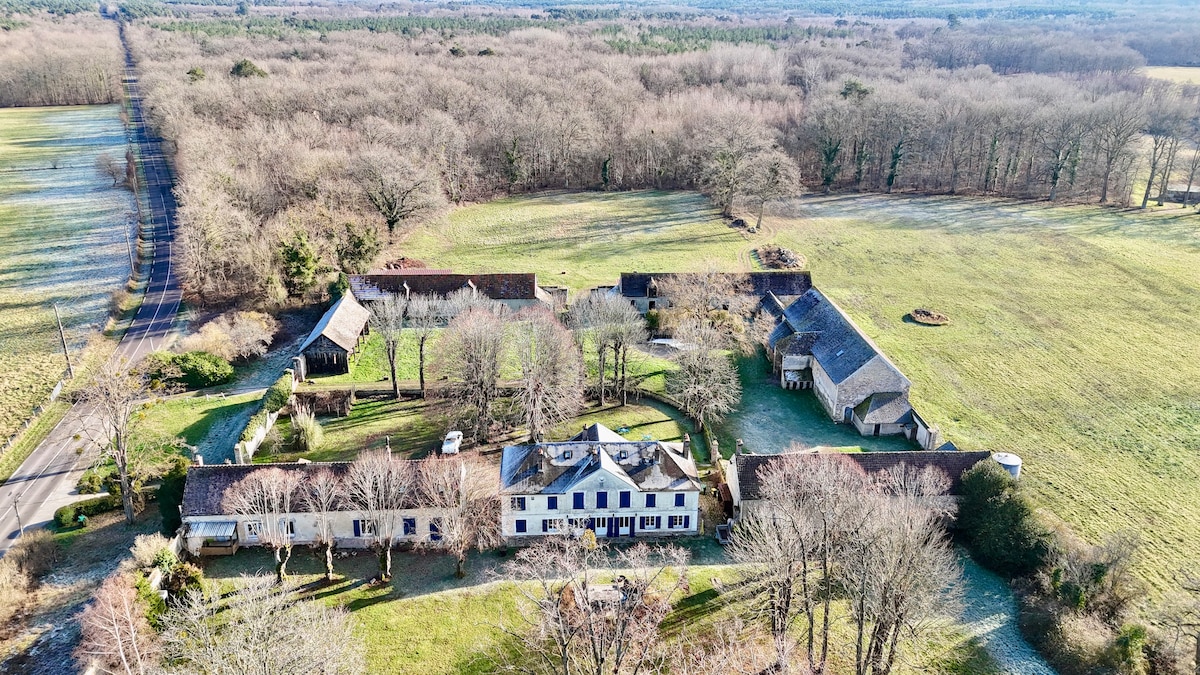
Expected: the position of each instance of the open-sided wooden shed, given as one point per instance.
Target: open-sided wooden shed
(336, 337)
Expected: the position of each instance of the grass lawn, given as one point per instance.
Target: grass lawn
(30, 438)
(771, 418)
(426, 621)
(646, 419)
(211, 424)
(61, 241)
(1072, 328)
(581, 240)
(372, 364)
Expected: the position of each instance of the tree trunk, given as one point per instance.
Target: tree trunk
(329, 562)
(762, 205)
(1154, 157)
(624, 374)
(460, 567)
(385, 562)
(391, 354)
(282, 555)
(421, 367)
(1166, 173)
(602, 350)
(126, 493)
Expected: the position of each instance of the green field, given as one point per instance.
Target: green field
(1073, 335)
(60, 241)
(581, 241)
(211, 424)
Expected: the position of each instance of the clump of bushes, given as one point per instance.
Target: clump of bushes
(234, 336)
(1077, 600)
(27, 560)
(275, 398)
(69, 514)
(195, 369)
(246, 68)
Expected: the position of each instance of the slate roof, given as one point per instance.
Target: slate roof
(553, 468)
(205, 485)
(885, 408)
(517, 286)
(342, 324)
(955, 464)
(839, 346)
(781, 283)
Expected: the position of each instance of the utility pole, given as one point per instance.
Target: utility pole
(63, 337)
(129, 250)
(17, 509)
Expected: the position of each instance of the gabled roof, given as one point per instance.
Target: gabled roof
(554, 468)
(441, 283)
(342, 324)
(781, 283)
(885, 408)
(836, 343)
(954, 464)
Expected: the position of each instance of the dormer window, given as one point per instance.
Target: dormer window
(566, 454)
(624, 454)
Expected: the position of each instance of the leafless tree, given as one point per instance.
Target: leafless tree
(114, 397)
(463, 493)
(379, 487)
(551, 383)
(592, 610)
(268, 496)
(738, 157)
(611, 325)
(110, 167)
(115, 631)
(423, 320)
(387, 318)
(467, 358)
(260, 629)
(396, 186)
(1164, 126)
(706, 384)
(728, 648)
(711, 305)
(235, 335)
(322, 494)
(1118, 124)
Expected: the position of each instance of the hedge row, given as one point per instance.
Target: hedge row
(273, 400)
(67, 515)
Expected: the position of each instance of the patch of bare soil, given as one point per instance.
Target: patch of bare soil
(404, 263)
(929, 317)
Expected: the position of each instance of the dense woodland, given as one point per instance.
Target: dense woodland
(332, 122)
(68, 60)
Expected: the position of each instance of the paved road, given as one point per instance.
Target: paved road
(46, 481)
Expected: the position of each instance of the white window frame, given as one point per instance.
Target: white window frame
(366, 528)
(648, 523)
(555, 525)
(254, 530)
(675, 522)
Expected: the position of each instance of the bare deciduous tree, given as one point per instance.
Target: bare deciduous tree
(423, 320)
(464, 495)
(387, 318)
(467, 358)
(268, 496)
(379, 487)
(551, 383)
(611, 324)
(115, 631)
(397, 187)
(321, 495)
(706, 384)
(592, 610)
(260, 629)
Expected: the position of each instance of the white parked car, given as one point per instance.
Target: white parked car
(452, 443)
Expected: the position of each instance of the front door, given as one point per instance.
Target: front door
(624, 526)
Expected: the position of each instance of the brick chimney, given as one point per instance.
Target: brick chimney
(687, 445)
(737, 449)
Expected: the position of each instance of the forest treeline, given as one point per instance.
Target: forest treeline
(335, 128)
(72, 58)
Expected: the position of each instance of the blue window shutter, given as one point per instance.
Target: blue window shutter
(651, 500)
(552, 503)
(358, 528)
(679, 499)
(658, 522)
(545, 525)
(578, 500)
(602, 500)
(624, 499)
(521, 526)
(687, 520)
(591, 525)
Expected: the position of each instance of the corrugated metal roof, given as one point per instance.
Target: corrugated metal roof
(212, 529)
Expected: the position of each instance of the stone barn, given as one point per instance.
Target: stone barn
(336, 338)
(816, 346)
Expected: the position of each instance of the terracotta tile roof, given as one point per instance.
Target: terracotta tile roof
(499, 286)
(781, 283)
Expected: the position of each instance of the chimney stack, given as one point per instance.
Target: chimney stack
(544, 465)
(737, 449)
(687, 445)
(199, 460)
(715, 450)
